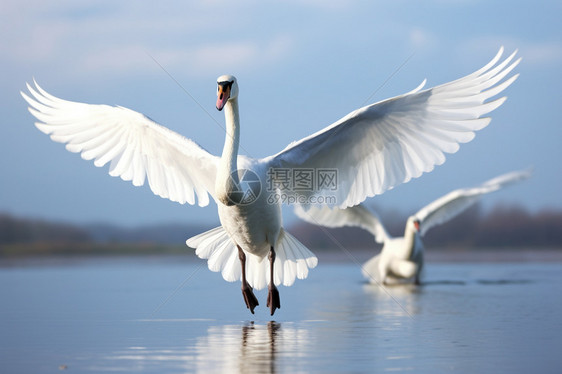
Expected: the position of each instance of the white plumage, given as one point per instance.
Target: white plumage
(402, 257)
(373, 149)
(222, 256)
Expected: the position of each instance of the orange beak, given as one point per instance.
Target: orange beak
(223, 95)
(417, 225)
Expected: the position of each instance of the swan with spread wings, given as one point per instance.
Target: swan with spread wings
(373, 149)
(401, 258)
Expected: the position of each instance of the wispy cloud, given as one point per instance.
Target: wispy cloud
(543, 54)
(535, 54)
(422, 38)
(117, 41)
(236, 55)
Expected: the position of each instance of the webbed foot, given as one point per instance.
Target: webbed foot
(249, 297)
(273, 301)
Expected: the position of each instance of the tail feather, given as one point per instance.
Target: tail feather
(209, 246)
(219, 257)
(292, 260)
(222, 255)
(304, 258)
(297, 258)
(207, 242)
(257, 271)
(289, 269)
(231, 271)
(281, 263)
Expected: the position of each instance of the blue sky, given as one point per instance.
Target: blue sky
(301, 65)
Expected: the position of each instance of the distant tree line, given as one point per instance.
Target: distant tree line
(22, 230)
(502, 226)
(23, 237)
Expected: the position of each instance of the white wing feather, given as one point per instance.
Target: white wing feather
(508, 178)
(355, 216)
(379, 146)
(136, 147)
(457, 201)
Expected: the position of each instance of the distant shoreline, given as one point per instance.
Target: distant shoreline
(443, 255)
(181, 254)
(495, 255)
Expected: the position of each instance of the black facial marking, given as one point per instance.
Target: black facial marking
(225, 84)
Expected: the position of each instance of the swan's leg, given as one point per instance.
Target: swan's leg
(418, 275)
(273, 301)
(249, 297)
(419, 269)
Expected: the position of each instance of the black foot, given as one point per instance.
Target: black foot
(249, 298)
(273, 301)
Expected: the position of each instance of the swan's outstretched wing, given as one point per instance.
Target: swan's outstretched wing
(137, 147)
(506, 179)
(357, 215)
(455, 202)
(379, 146)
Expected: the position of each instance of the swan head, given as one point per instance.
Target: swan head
(414, 224)
(227, 89)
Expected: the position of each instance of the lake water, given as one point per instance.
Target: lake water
(172, 315)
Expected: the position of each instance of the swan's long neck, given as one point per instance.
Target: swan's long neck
(410, 239)
(227, 180)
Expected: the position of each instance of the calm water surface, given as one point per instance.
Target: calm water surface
(172, 315)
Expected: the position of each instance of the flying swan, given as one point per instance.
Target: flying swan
(401, 258)
(372, 149)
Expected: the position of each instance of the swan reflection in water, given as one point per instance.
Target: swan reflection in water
(241, 348)
(255, 348)
(396, 300)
